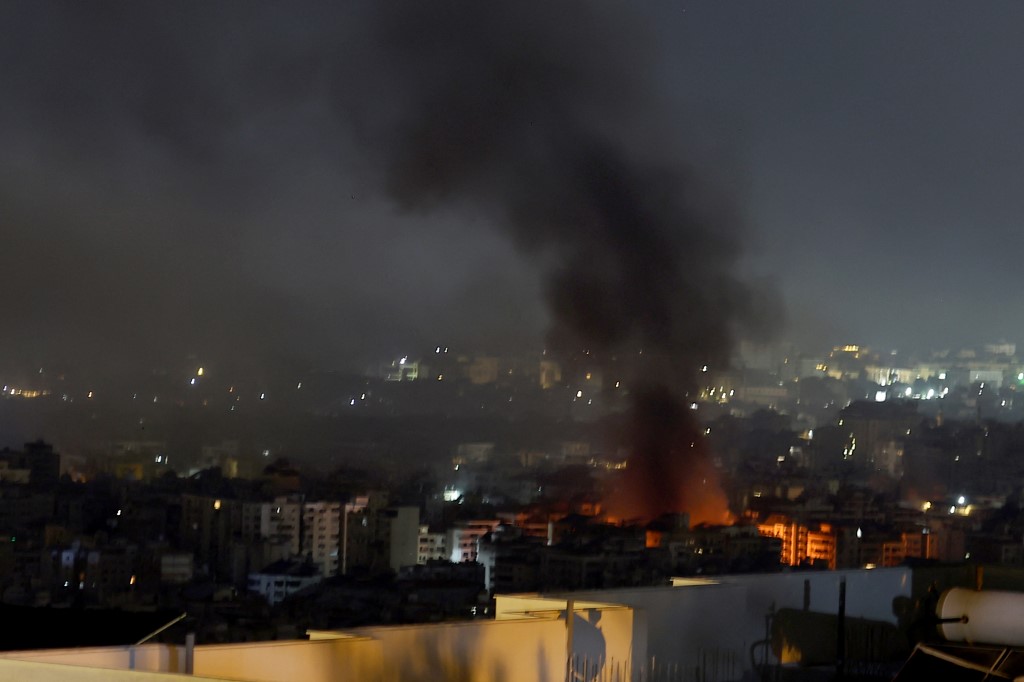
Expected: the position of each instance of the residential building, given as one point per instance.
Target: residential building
(282, 579)
(321, 532)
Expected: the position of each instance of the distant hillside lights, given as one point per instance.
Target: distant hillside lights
(481, 369)
(718, 394)
(26, 392)
(907, 392)
(401, 369)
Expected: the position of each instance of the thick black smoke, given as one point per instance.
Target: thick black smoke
(206, 177)
(540, 119)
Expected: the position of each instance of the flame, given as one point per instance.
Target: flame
(670, 469)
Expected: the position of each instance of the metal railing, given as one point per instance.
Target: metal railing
(710, 665)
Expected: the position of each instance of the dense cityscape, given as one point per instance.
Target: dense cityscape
(584, 340)
(420, 489)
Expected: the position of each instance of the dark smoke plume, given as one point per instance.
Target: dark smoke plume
(538, 118)
(190, 177)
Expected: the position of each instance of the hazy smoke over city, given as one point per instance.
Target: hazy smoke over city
(223, 182)
(183, 177)
(538, 119)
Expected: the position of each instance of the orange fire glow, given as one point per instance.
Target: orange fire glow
(670, 470)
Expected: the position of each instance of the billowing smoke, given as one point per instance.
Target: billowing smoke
(195, 177)
(540, 119)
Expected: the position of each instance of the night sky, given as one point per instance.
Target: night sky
(218, 179)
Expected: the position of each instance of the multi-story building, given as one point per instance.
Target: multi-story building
(176, 568)
(38, 460)
(813, 543)
(283, 579)
(207, 527)
(321, 535)
(821, 546)
(281, 522)
(380, 538)
(432, 546)
(401, 525)
(510, 560)
(463, 537)
(877, 431)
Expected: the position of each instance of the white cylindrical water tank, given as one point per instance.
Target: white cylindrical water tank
(987, 617)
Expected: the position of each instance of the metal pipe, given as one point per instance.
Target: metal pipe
(160, 629)
(190, 653)
(841, 632)
(344, 540)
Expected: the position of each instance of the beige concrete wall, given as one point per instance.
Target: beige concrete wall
(680, 626)
(518, 606)
(607, 636)
(697, 622)
(36, 671)
(324, 660)
(869, 593)
(148, 657)
(605, 639)
(515, 606)
(330, 634)
(477, 651)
